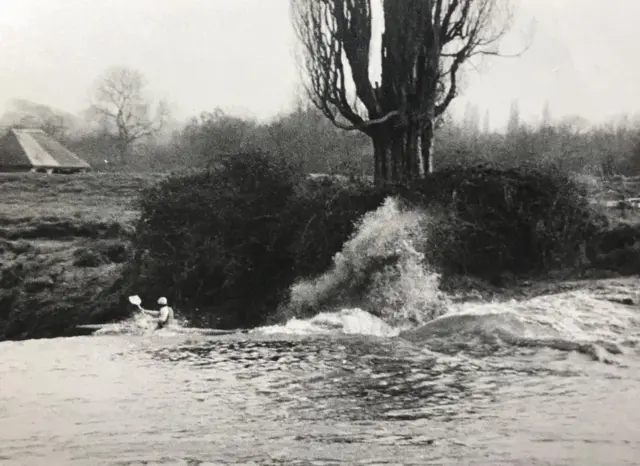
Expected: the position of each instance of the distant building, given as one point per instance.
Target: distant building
(23, 150)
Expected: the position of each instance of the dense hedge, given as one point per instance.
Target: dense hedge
(515, 221)
(324, 213)
(228, 243)
(216, 236)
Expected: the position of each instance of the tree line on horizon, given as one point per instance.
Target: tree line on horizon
(396, 128)
(304, 135)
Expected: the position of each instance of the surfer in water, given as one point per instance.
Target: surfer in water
(165, 314)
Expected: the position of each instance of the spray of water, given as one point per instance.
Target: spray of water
(379, 284)
(586, 321)
(379, 270)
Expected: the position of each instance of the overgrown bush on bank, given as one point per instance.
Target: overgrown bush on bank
(513, 221)
(227, 244)
(324, 213)
(216, 237)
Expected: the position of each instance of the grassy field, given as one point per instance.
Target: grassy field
(63, 240)
(99, 196)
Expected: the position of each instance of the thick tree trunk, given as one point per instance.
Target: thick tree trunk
(402, 154)
(123, 152)
(427, 149)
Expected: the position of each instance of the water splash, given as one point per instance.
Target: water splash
(379, 270)
(581, 320)
(347, 321)
(380, 285)
(140, 324)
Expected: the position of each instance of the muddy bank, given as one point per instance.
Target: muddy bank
(49, 286)
(64, 241)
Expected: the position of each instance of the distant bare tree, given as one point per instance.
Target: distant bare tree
(423, 46)
(513, 124)
(124, 109)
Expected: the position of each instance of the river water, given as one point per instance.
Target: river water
(327, 396)
(417, 378)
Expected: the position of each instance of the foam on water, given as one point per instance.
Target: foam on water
(579, 320)
(381, 285)
(347, 321)
(379, 270)
(382, 270)
(140, 324)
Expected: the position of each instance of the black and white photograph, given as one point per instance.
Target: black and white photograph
(319, 233)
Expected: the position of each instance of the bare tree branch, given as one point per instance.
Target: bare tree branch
(366, 124)
(424, 45)
(123, 108)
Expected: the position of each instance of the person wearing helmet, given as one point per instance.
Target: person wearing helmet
(165, 314)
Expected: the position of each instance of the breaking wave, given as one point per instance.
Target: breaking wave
(348, 321)
(380, 270)
(583, 320)
(380, 285)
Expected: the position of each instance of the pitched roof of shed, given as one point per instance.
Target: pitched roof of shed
(34, 148)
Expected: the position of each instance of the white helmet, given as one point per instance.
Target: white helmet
(162, 301)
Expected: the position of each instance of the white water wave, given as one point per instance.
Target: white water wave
(347, 321)
(141, 324)
(586, 320)
(380, 269)
(380, 284)
(578, 320)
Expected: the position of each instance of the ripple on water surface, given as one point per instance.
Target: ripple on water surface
(329, 399)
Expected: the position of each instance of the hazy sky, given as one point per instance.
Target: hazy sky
(238, 55)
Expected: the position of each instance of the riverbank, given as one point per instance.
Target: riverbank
(65, 242)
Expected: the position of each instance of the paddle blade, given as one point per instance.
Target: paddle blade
(135, 300)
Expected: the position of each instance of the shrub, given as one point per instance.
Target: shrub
(218, 236)
(324, 213)
(228, 243)
(492, 221)
(231, 241)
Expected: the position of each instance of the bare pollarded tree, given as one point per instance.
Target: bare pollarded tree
(125, 111)
(422, 49)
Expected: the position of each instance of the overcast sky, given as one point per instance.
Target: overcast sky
(238, 55)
